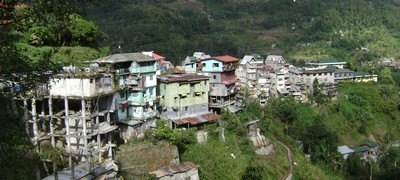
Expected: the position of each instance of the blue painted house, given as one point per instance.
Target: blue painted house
(136, 92)
(223, 89)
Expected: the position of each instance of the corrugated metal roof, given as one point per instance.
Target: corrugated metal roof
(197, 119)
(345, 150)
(126, 57)
(181, 77)
(228, 82)
(210, 116)
(225, 58)
(174, 169)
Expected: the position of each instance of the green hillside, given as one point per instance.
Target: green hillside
(301, 30)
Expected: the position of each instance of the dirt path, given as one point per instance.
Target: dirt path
(289, 155)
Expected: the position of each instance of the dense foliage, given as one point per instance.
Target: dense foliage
(302, 30)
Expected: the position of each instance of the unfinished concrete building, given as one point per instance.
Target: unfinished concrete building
(73, 113)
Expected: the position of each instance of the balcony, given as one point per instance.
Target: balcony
(144, 115)
(221, 103)
(143, 69)
(141, 100)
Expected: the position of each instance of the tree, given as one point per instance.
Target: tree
(385, 76)
(320, 142)
(14, 67)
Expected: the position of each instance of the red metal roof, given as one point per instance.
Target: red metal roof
(157, 57)
(225, 58)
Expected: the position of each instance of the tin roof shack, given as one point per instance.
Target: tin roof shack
(185, 170)
(136, 83)
(184, 100)
(368, 151)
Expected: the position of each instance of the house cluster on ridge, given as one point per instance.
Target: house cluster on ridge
(83, 110)
(273, 77)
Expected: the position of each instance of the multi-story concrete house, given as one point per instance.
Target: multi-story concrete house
(135, 100)
(221, 70)
(184, 100)
(278, 84)
(308, 76)
(275, 61)
(247, 70)
(342, 75)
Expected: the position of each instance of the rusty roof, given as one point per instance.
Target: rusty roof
(197, 119)
(174, 169)
(225, 58)
(210, 116)
(228, 82)
(181, 78)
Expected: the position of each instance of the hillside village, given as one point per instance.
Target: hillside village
(85, 111)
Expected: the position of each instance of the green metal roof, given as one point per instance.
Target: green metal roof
(328, 60)
(359, 73)
(360, 149)
(372, 144)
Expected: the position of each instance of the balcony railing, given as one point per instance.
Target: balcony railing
(142, 69)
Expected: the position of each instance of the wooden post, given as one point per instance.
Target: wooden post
(26, 116)
(53, 141)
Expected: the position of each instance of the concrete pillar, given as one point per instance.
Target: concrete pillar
(53, 141)
(98, 134)
(85, 151)
(67, 135)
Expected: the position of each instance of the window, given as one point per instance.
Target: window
(165, 86)
(214, 76)
(186, 108)
(215, 65)
(122, 94)
(151, 77)
(204, 64)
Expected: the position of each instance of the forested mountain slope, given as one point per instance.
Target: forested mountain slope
(177, 28)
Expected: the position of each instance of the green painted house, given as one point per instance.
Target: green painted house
(184, 99)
